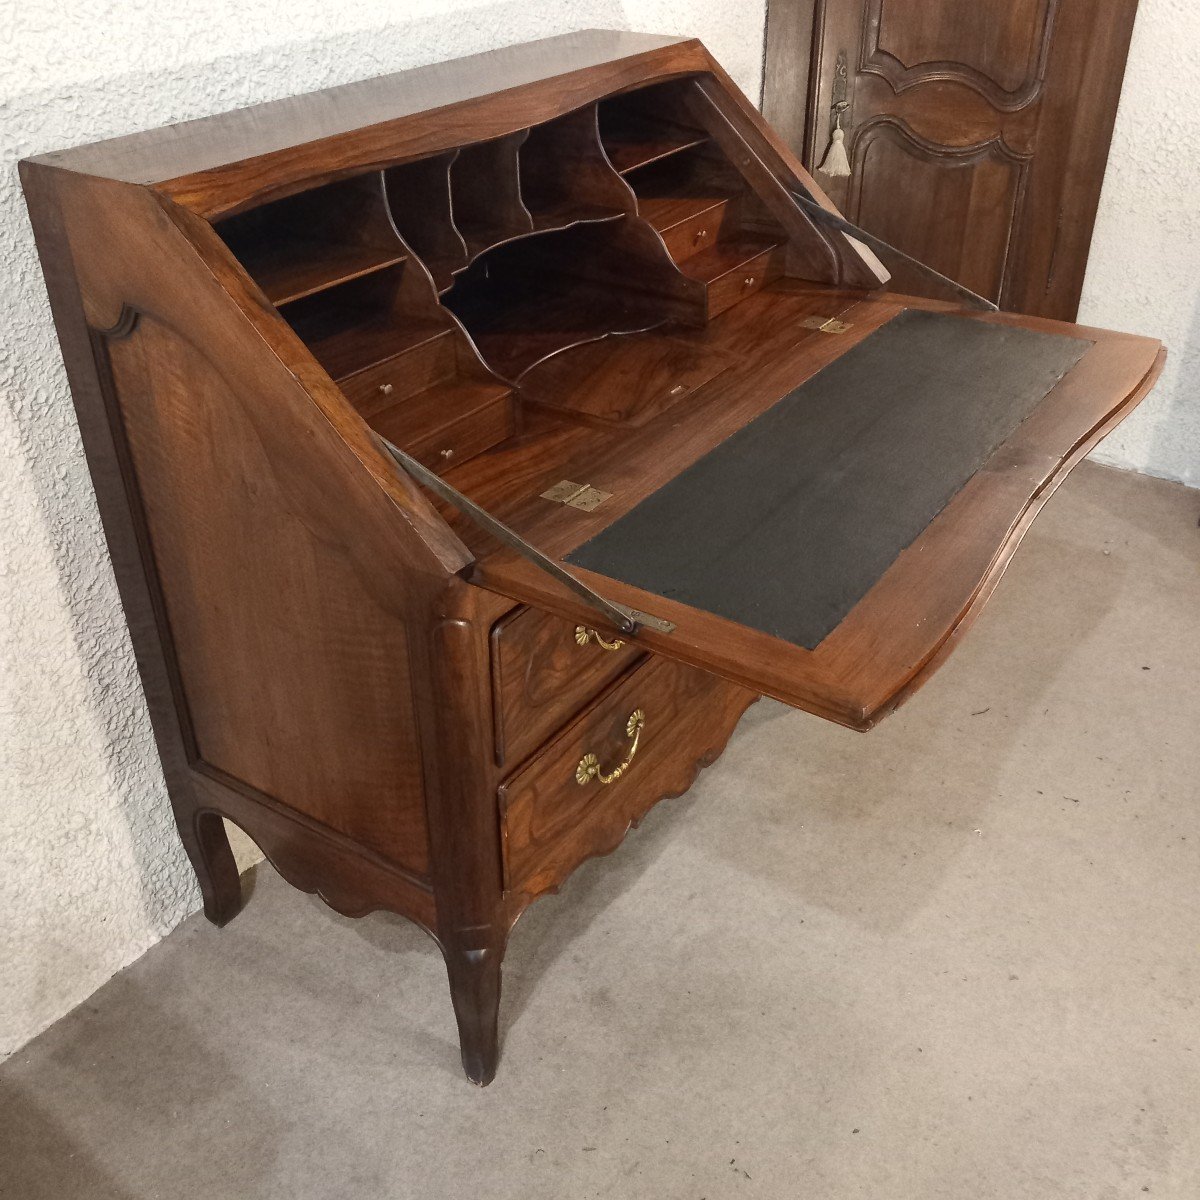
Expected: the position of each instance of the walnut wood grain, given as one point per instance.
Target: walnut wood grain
(552, 823)
(543, 673)
(624, 381)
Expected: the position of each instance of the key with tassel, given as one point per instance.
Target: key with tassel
(836, 163)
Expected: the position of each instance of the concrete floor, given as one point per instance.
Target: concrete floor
(954, 958)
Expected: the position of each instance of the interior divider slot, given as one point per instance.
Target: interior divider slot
(641, 127)
(298, 246)
(672, 191)
(531, 299)
(418, 194)
(485, 193)
(362, 323)
(565, 175)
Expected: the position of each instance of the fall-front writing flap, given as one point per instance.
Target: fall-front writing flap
(826, 550)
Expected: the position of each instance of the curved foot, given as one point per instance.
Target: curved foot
(475, 993)
(207, 845)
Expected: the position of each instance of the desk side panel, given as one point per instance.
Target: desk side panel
(288, 588)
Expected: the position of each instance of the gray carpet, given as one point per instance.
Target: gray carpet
(955, 958)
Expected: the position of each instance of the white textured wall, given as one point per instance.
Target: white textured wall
(1144, 272)
(91, 873)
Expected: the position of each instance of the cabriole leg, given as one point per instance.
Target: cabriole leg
(475, 993)
(207, 845)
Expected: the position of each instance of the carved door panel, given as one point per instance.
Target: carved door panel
(976, 130)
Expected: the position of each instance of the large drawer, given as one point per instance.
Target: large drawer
(558, 810)
(544, 670)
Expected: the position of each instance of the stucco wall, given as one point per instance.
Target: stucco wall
(1144, 271)
(91, 873)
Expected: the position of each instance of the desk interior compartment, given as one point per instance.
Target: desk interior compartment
(485, 193)
(406, 365)
(565, 176)
(647, 125)
(418, 196)
(525, 302)
(713, 226)
(301, 245)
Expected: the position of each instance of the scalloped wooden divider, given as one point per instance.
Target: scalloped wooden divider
(428, 289)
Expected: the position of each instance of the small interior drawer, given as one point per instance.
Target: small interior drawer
(701, 231)
(642, 741)
(377, 388)
(744, 280)
(544, 669)
(464, 436)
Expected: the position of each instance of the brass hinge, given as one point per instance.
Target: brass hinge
(627, 620)
(577, 495)
(825, 324)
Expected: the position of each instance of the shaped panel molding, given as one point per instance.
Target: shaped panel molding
(911, 42)
(968, 186)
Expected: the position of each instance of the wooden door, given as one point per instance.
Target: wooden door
(977, 131)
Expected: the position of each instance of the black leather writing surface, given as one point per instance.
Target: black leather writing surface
(787, 524)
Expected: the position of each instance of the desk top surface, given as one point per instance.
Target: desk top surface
(207, 143)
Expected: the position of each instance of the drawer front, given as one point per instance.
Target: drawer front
(468, 435)
(700, 231)
(378, 387)
(544, 670)
(559, 810)
(745, 280)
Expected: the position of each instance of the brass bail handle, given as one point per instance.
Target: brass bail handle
(589, 764)
(583, 635)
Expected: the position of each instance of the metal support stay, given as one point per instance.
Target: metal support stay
(627, 620)
(824, 216)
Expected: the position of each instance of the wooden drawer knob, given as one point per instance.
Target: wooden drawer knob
(386, 389)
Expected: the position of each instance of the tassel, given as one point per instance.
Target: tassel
(836, 164)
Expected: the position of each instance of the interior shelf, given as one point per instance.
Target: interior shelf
(671, 191)
(291, 269)
(301, 245)
(638, 140)
(644, 127)
(356, 326)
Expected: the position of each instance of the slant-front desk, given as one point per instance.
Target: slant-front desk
(474, 444)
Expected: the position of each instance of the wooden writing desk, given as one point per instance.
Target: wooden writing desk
(570, 278)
